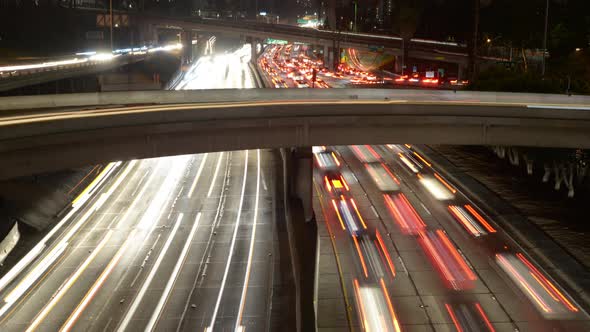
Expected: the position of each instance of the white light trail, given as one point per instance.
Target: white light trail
(239, 326)
(125, 322)
(192, 189)
(231, 248)
(179, 263)
(215, 174)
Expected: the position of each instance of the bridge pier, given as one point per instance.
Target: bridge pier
(461, 70)
(329, 57)
(302, 231)
(187, 47)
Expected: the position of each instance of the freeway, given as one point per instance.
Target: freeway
(444, 264)
(175, 243)
(413, 253)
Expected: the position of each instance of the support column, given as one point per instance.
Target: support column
(302, 232)
(187, 50)
(461, 72)
(329, 57)
(303, 162)
(254, 54)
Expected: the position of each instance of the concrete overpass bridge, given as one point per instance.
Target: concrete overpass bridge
(51, 132)
(449, 52)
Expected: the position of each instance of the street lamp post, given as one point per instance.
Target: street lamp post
(545, 39)
(355, 13)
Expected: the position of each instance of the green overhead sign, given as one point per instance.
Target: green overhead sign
(275, 41)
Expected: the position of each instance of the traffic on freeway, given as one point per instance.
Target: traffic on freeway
(178, 243)
(413, 253)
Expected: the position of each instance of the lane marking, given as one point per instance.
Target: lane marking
(190, 192)
(348, 306)
(238, 326)
(210, 242)
(231, 248)
(173, 277)
(150, 277)
(58, 248)
(69, 323)
(215, 174)
(65, 287)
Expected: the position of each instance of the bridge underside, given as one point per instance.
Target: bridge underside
(47, 146)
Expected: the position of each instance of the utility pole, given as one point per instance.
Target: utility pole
(355, 13)
(545, 38)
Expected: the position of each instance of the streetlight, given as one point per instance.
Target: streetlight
(355, 12)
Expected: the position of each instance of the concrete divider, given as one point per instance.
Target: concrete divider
(9, 242)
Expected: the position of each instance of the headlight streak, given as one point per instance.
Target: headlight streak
(436, 188)
(231, 248)
(173, 276)
(59, 247)
(68, 284)
(148, 280)
(382, 177)
(69, 323)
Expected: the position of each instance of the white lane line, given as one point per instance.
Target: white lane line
(210, 242)
(140, 182)
(190, 192)
(215, 174)
(231, 248)
(33, 253)
(239, 326)
(69, 323)
(147, 257)
(125, 322)
(179, 263)
(58, 248)
(37, 271)
(68, 284)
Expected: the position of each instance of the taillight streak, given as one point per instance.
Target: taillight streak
(358, 249)
(404, 214)
(385, 253)
(338, 214)
(466, 221)
(389, 306)
(512, 272)
(453, 318)
(358, 213)
(423, 160)
(553, 291)
(480, 218)
(484, 317)
(445, 183)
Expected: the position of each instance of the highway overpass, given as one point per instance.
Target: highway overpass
(20, 74)
(450, 52)
(46, 133)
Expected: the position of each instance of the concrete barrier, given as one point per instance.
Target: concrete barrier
(9, 242)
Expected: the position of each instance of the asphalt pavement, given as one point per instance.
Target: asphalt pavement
(176, 243)
(426, 292)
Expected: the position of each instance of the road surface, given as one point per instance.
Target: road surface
(177, 243)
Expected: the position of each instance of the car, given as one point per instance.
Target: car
(301, 83)
(335, 183)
